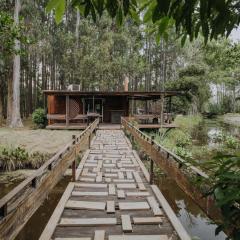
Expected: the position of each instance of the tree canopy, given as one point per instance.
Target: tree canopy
(211, 17)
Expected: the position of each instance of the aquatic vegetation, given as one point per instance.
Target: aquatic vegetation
(18, 158)
(227, 140)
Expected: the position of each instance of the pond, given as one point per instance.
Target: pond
(194, 220)
(207, 131)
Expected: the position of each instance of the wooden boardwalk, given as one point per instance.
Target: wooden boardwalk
(112, 198)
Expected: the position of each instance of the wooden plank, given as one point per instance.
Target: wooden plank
(108, 180)
(139, 181)
(85, 205)
(99, 177)
(90, 222)
(142, 166)
(111, 189)
(126, 223)
(80, 193)
(123, 180)
(138, 237)
(183, 235)
(78, 238)
(129, 175)
(90, 165)
(133, 205)
(81, 164)
(110, 207)
(137, 194)
(91, 185)
(120, 175)
(154, 206)
(99, 235)
(110, 175)
(52, 223)
(120, 194)
(126, 185)
(87, 179)
(147, 220)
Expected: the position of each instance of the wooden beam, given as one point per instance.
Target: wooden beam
(52, 223)
(183, 235)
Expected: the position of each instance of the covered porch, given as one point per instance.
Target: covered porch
(76, 110)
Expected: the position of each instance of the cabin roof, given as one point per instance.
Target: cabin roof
(132, 94)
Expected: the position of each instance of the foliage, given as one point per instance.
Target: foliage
(212, 18)
(39, 118)
(188, 123)
(183, 153)
(227, 140)
(18, 158)
(225, 187)
(192, 81)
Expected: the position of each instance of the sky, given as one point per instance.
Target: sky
(235, 35)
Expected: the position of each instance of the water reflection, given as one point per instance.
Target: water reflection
(207, 131)
(191, 216)
(34, 227)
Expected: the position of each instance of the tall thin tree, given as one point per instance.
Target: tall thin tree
(16, 120)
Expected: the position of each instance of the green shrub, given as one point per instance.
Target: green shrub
(39, 118)
(177, 138)
(188, 123)
(18, 158)
(228, 141)
(224, 182)
(183, 153)
(13, 158)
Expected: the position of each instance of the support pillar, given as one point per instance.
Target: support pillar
(74, 161)
(67, 110)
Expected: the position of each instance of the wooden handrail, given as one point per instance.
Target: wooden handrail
(177, 169)
(162, 148)
(54, 167)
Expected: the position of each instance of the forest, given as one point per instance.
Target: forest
(99, 55)
(178, 45)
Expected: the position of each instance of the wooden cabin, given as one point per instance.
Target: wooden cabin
(69, 109)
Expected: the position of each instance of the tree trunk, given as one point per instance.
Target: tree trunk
(16, 117)
(9, 99)
(1, 108)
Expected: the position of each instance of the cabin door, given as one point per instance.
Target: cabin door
(93, 105)
(116, 116)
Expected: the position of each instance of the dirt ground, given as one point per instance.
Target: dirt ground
(42, 140)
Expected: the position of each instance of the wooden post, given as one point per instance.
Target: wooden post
(162, 110)
(67, 110)
(89, 140)
(74, 161)
(3, 211)
(151, 171)
(151, 163)
(170, 109)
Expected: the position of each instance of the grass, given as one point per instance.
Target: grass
(28, 148)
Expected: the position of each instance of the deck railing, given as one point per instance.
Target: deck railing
(19, 204)
(181, 171)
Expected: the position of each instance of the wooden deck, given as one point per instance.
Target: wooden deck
(156, 126)
(71, 126)
(112, 198)
(104, 126)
